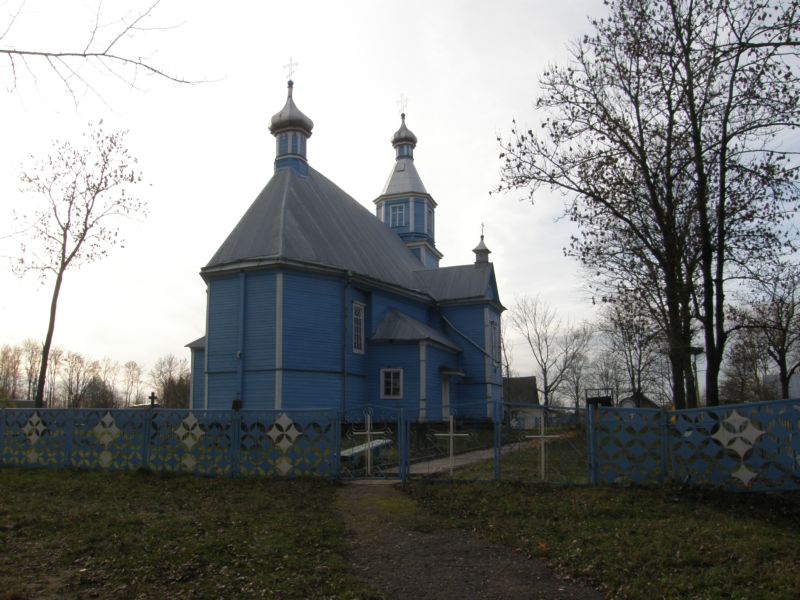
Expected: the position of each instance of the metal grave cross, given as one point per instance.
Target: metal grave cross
(452, 435)
(371, 436)
(542, 441)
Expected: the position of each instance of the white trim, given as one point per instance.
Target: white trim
(278, 341)
(423, 346)
(399, 396)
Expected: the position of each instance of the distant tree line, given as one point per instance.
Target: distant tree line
(627, 353)
(75, 380)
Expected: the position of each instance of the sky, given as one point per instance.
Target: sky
(466, 67)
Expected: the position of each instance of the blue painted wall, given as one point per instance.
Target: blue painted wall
(396, 356)
(198, 379)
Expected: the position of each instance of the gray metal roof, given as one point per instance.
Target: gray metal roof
(457, 283)
(399, 327)
(309, 219)
(404, 179)
(198, 344)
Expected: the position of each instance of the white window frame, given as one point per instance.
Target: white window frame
(359, 320)
(397, 215)
(391, 373)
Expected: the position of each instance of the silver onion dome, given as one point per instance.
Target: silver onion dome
(290, 117)
(404, 135)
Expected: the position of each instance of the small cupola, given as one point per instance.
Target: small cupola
(291, 129)
(481, 252)
(404, 140)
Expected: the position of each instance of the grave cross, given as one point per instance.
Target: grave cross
(452, 435)
(370, 434)
(152, 397)
(542, 441)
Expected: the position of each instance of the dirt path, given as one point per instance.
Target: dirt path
(397, 552)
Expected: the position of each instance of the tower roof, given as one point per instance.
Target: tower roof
(404, 134)
(290, 117)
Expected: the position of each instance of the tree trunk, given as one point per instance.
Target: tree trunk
(48, 340)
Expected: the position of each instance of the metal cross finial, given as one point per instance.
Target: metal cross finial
(482, 226)
(290, 68)
(402, 104)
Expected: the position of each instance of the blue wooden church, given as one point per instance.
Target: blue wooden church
(316, 303)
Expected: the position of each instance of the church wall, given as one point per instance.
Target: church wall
(198, 379)
(470, 391)
(383, 301)
(312, 390)
(222, 340)
(259, 390)
(259, 332)
(395, 356)
(313, 326)
(435, 359)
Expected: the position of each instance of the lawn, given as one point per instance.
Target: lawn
(69, 534)
(637, 543)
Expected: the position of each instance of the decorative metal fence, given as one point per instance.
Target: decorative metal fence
(738, 447)
(510, 443)
(213, 443)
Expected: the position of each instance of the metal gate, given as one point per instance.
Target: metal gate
(373, 444)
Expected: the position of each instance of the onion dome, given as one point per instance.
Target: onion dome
(481, 252)
(290, 117)
(404, 134)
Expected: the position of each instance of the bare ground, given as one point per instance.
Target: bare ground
(397, 553)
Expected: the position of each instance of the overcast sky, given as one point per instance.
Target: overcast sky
(467, 68)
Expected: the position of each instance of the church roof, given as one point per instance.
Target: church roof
(404, 179)
(399, 327)
(462, 282)
(311, 221)
(198, 344)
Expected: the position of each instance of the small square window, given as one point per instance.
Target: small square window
(358, 327)
(391, 384)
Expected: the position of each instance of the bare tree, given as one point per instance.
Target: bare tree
(132, 373)
(103, 49)
(31, 355)
(772, 310)
(10, 361)
(665, 133)
(556, 346)
(170, 376)
(56, 361)
(83, 192)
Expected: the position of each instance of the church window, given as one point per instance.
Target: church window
(391, 384)
(358, 327)
(397, 215)
(429, 221)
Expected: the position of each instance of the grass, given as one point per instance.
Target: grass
(637, 543)
(69, 534)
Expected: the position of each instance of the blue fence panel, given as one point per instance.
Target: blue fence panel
(752, 447)
(289, 443)
(107, 439)
(627, 445)
(35, 438)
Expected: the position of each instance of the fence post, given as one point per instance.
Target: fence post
(337, 443)
(497, 439)
(236, 446)
(69, 434)
(402, 446)
(590, 433)
(2, 435)
(146, 432)
(663, 422)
